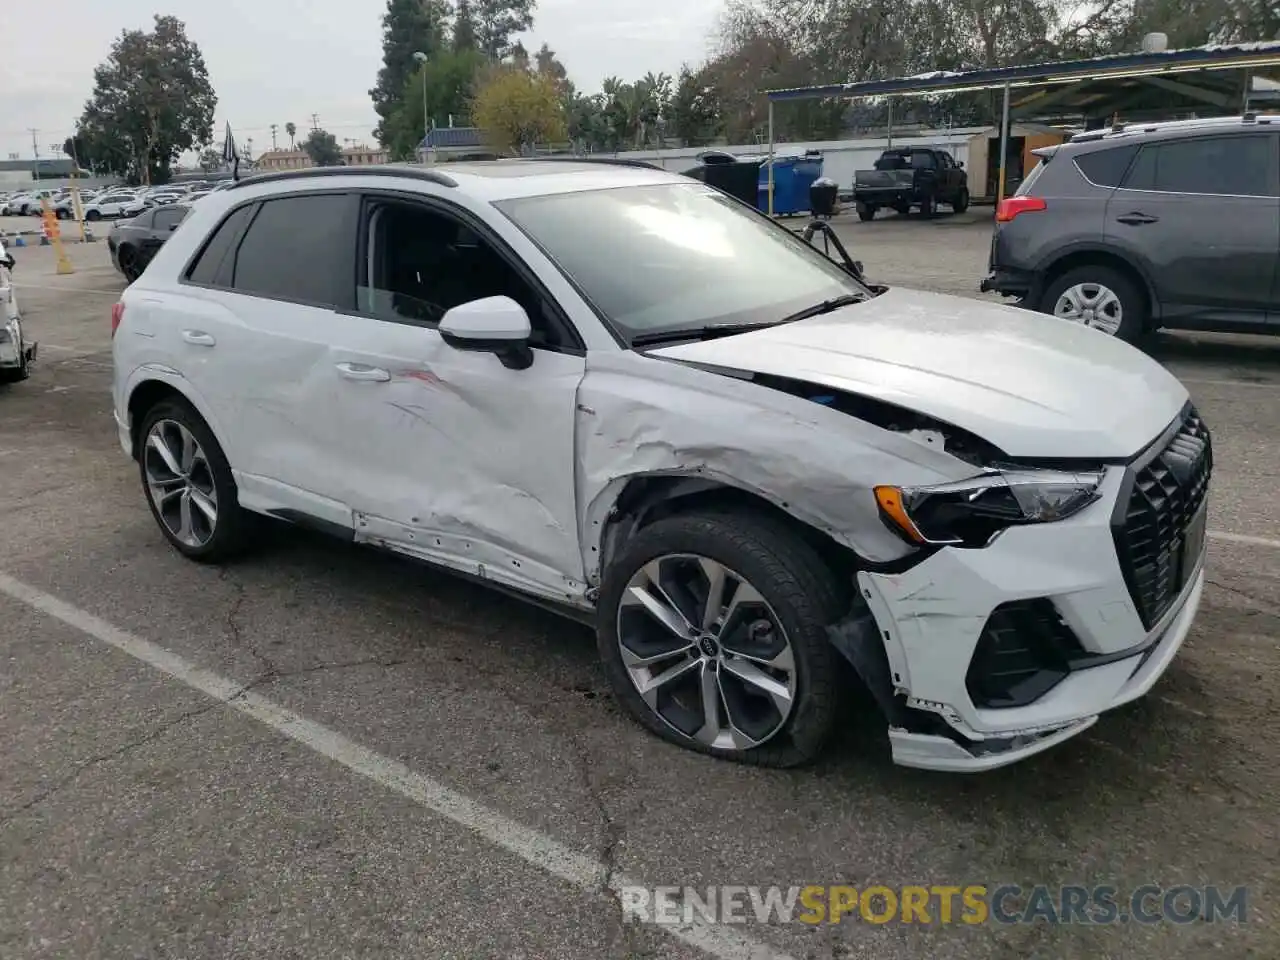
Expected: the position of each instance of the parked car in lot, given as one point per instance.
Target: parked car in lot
(132, 243)
(1173, 225)
(112, 204)
(911, 177)
(28, 203)
(736, 460)
(17, 353)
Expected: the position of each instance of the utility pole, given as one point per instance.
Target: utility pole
(35, 153)
(315, 121)
(273, 136)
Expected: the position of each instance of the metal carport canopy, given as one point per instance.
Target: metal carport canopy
(1239, 56)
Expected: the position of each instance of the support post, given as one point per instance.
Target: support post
(1004, 143)
(770, 157)
(889, 144)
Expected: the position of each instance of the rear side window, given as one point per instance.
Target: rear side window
(1106, 168)
(294, 249)
(208, 265)
(167, 217)
(1222, 166)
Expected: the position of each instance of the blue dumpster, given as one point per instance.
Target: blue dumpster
(792, 177)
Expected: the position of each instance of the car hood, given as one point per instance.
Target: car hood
(1031, 384)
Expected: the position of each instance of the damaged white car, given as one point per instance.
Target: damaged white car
(16, 352)
(619, 392)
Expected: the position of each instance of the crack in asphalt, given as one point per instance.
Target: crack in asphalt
(1262, 605)
(93, 762)
(232, 624)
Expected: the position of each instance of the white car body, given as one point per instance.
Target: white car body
(115, 203)
(514, 475)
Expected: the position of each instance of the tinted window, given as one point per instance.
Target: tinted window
(167, 217)
(1239, 166)
(1106, 168)
(922, 161)
(294, 249)
(206, 269)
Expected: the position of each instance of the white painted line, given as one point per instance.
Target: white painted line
(1245, 539)
(54, 346)
(65, 289)
(532, 846)
(1229, 383)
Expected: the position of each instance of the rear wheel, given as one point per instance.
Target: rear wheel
(1100, 297)
(128, 259)
(93, 215)
(712, 631)
(866, 212)
(188, 484)
(22, 370)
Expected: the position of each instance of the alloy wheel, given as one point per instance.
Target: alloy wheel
(1093, 305)
(180, 483)
(706, 652)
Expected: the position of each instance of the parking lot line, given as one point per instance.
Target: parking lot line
(586, 873)
(1245, 539)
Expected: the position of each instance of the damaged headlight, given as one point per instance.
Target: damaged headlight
(969, 513)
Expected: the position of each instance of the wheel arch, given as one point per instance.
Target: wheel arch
(1083, 256)
(644, 499)
(154, 386)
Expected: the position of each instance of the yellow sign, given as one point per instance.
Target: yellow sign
(54, 233)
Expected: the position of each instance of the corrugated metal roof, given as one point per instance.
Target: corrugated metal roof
(1213, 57)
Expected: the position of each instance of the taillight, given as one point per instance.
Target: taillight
(1010, 207)
(117, 314)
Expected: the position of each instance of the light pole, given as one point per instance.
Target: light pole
(421, 58)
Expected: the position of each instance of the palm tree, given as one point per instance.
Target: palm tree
(291, 129)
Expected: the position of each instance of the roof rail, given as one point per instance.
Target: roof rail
(611, 161)
(375, 170)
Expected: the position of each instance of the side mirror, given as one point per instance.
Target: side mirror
(960, 164)
(496, 325)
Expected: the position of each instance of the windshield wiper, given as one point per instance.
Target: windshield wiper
(701, 333)
(826, 306)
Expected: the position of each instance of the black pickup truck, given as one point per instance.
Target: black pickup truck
(909, 177)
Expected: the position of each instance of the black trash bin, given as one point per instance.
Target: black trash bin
(822, 197)
(724, 171)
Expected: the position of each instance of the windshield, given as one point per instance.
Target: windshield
(672, 257)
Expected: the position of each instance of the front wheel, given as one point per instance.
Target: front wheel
(93, 215)
(866, 212)
(712, 631)
(926, 207)
(1099, 297)
(188, 484)
(962, 201)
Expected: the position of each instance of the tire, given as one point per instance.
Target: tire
(19, 373)
(962, 201)
(799, 597)
(127, 257)
(903, 209)
(926, 207)
(229, 533)
(93, 215)
(1130, 300)
(866, 212)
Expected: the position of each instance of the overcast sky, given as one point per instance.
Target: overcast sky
(273, 61)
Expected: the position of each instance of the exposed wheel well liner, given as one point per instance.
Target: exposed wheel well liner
(647, 499)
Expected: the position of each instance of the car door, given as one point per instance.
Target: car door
(449, 454)
(253, 334)
(1203, 216)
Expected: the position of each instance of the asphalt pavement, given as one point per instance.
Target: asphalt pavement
(321, 751)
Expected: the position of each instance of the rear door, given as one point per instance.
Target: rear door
(1203, 215)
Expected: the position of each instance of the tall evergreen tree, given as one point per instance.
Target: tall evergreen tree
(497, 23)
(464, 27)
(408, 27)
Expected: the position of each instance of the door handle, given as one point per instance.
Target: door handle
(1136, 219)
(198, 337)
(363, 372)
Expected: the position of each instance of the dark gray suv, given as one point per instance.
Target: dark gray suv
(1140, 227)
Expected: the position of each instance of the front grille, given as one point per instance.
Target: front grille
(1024, 651)
(1165, 491)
